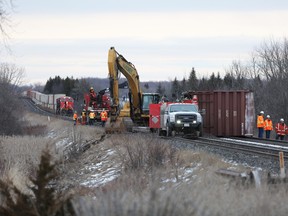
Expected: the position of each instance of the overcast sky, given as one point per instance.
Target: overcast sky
(164, 39)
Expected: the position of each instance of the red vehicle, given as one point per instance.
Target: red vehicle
(102, 101)
(65, 106)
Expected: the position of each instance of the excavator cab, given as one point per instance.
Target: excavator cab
(147, 99)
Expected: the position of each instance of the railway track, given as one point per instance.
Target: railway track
(259, 147)
(247, 145)
(32, 107)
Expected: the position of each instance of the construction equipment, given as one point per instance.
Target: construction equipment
(101, 101)
(137, 111)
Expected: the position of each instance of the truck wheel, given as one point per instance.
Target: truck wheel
(168, 131)
(201, 131)
(161, 132)
(173, 133)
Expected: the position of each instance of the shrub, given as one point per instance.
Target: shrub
(44, 199)
(139, 152)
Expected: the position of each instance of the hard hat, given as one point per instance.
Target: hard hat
(281, 120)
(91, 88)
(268, 116)
(261, 112)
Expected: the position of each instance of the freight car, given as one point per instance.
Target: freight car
(49, 101)
(226, 113)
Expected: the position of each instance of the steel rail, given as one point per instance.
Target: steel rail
(34, 108)
(218, 142)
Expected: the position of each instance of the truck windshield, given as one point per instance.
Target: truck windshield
(183, 108)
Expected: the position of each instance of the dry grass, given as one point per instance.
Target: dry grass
(169, 190)
(207, 198)
(155, 178)
(20, 155)
(143, 152)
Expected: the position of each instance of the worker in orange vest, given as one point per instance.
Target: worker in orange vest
(281, 129)
(268, 126)
(260, 124)
(75, 117)
(104, 117)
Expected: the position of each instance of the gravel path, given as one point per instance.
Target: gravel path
(266, 164)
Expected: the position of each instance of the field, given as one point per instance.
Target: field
(127, 174)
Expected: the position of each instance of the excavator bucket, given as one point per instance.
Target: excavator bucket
(114, 126)
(122, 124)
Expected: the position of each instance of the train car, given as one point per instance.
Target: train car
(65, 106)
(49, 101)
(226, 113)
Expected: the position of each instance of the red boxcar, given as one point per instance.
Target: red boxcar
(226, 113)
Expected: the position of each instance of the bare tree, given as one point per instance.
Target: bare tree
(267, 75)
(11, 74)
(10, 106)
(6, 8)
(237, 70)
(272, 61)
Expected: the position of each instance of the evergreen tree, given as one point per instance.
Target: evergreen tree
(60, 86)
(214, 82)
(67, 85)
(48, 86)
(160, 89)
(219, 81)
(228, 81)
(192, 81)
(203, 85)
(175, 89)
(184, 84)
(146, 86)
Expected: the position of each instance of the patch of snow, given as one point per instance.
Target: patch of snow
(102, 172)
(51, 134)
(63, 143)
(100, 178)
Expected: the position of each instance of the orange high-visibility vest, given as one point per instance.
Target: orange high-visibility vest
(91, 115)
(75, 116)
(268, 124)
(260, 121)
(103, 116)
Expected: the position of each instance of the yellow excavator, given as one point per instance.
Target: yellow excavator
(135, 113)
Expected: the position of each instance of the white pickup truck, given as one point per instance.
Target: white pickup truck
(179, 118)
